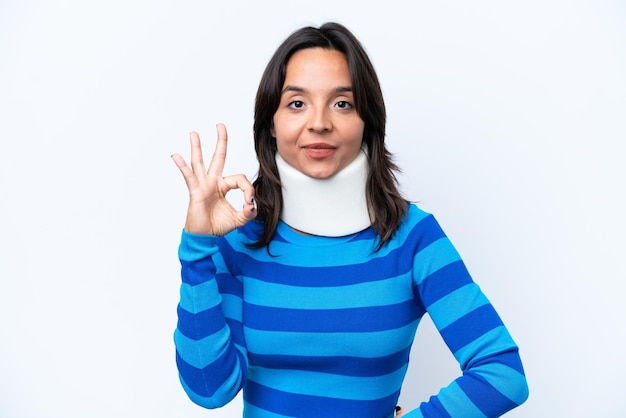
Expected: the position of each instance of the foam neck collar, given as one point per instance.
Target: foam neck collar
(333, 207)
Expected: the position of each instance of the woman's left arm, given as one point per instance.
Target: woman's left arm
(493, 380)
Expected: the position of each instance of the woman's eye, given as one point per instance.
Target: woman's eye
(344, 105)
(296, 104)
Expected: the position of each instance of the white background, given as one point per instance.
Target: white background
(508, 119)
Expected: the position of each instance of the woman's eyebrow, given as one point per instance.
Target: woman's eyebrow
(293, 88)
(341, 89)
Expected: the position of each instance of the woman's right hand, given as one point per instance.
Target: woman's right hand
(209, 212)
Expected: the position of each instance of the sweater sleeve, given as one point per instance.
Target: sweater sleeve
(210, 350)
(492, 380)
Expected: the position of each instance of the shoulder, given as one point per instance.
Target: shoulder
(416, 216)
(242, 236)
(416, 213)
(417, 228)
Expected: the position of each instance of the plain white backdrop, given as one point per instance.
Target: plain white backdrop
(508, 119)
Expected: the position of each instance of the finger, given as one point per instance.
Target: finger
(399, 411)
(188, 175)
(241, 182)
(197, 162)
(248, 213)
(219, 156)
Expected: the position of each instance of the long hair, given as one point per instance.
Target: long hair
(386, 205)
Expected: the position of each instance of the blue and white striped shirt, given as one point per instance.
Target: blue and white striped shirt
(323, 327)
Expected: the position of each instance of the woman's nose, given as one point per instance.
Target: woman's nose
(320, 120)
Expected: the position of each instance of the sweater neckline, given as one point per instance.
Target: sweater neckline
(290, 235)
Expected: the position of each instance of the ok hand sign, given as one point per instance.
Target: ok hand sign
(209, 212)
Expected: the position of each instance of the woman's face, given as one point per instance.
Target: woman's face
(317, 129)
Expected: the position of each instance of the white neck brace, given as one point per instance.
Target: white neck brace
(331, 207)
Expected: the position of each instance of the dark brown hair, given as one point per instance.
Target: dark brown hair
(387, 207)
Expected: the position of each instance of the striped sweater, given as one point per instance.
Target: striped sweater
(323, 327)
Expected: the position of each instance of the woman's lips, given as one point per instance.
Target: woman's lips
(319, 151)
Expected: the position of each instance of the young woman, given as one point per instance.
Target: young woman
(308, 298)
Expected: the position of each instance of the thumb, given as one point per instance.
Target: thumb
(249, 210)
